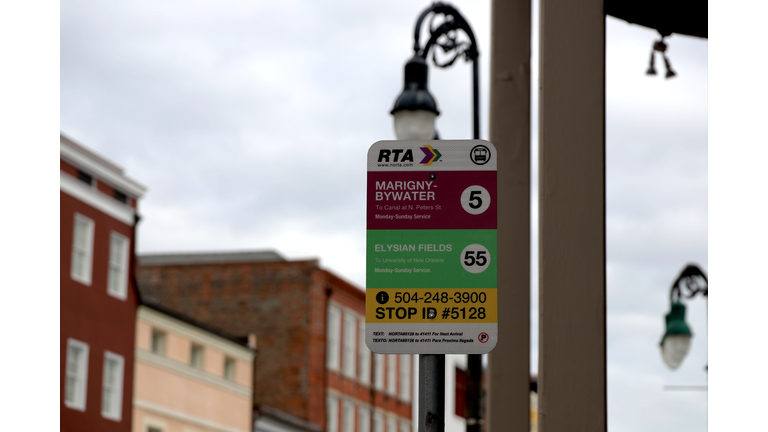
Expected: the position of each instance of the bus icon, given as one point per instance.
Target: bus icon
(480, 154)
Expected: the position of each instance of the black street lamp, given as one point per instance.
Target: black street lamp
(415, 109)
(414, 113)
(676, 341)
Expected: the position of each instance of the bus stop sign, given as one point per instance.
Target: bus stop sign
(431, 263)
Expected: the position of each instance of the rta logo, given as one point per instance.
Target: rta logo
(384, 155)
(430, 155)
(482, 337)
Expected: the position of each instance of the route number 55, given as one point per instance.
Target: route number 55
(469, 258)
(475, 258)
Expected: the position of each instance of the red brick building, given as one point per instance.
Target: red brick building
(98, 295)
(313, 362)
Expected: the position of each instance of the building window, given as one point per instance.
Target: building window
(332, 414)
(348, 417)
(158, 342)
(391, 424)
(82, 249)
(117, 281)
(378, 422)
(405, 426)
(364, 356)
(334, 330)
(363, 420)
(229, 368)
(77, 375)
(196, 356)
(153, 425)
(405, 377)
(378, 371)
(350, 336)
(392, 374)
(85, 177)
(121, 196)
(112, 386)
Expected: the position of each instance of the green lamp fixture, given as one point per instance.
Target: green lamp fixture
(676, 341)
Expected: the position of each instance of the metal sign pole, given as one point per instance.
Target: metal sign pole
(431, 393)
(474, 412)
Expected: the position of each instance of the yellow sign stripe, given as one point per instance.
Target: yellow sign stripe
(431, 305)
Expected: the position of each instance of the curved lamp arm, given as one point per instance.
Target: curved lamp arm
(692, 279)
(453, 21)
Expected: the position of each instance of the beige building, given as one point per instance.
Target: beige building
(190, 378)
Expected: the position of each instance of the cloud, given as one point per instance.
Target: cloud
(250, 121)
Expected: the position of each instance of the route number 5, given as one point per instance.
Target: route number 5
(475, 199)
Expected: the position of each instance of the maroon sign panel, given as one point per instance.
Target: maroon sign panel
(431, 200)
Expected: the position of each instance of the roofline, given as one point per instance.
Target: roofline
(337, 281)
(111, 165)
(208, 258)
(240, 340)
(298, 422)
(84, 158)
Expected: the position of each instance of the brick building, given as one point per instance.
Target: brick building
(313, 362)
(190, 377)
(98, 296)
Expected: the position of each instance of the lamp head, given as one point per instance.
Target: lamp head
(415, 109)
(676, 341)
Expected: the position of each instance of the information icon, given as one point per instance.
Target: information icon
(475, 200)
(382, 297)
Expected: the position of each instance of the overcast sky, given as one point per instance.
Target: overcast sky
(249, 123)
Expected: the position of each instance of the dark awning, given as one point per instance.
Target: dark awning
(687, 17)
